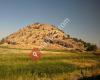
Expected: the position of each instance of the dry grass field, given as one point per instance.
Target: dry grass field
(16, 64)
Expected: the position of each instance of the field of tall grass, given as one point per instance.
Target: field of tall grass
(16, 64)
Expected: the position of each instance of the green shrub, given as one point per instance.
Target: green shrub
(90, 47)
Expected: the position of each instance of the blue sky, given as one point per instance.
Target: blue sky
(83, 14)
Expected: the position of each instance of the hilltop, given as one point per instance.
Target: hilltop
(42, 36)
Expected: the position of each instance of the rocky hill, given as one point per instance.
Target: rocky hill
(41, 36)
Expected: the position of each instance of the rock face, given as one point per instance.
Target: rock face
(42, 36)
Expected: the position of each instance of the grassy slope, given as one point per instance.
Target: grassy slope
(15, 64)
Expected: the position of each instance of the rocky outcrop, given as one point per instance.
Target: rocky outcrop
(38, 35)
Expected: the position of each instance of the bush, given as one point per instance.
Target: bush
(90, 47)
(2, 41)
